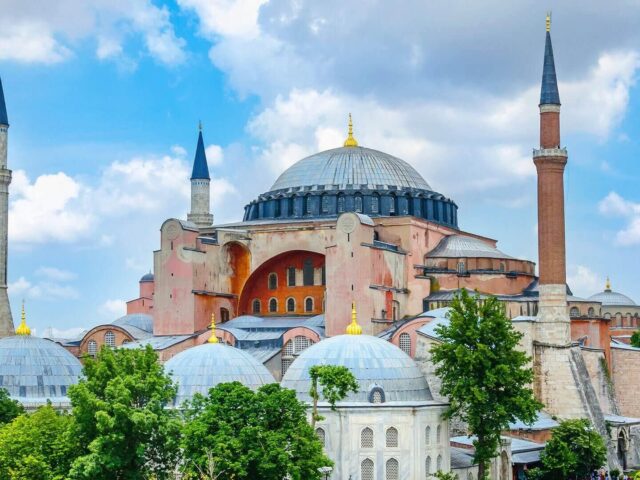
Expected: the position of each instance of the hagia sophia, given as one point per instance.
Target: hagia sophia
(352, 258)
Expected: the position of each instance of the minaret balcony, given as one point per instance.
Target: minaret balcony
(550, 152)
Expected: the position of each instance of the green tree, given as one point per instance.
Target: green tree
(120, 417)
(9, 408)
(635, 339)
(484, 375)
(575, 450)
(37, 446)
(240, 434)
(336, 382)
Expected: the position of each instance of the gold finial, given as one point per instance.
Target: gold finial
(23, 329)
(548, 21)
(199, 125)
(213, 338)
(607, 286)
(350, 141)
(354, 328)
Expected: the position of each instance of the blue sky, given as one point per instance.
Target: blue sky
(104, 98)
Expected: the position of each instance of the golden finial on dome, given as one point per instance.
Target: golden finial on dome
(213, 338)
(353, 328)
(607, 286)
(350, 141)
(23, 329)
(199, 125)
(548, 21)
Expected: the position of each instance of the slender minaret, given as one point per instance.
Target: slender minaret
(200, 189)
(6, 320)
(550, 161)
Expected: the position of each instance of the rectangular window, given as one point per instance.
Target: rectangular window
(291, 276)
(307, 272)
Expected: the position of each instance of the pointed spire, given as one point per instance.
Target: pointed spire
(350, 141)
(354, 328)
(23, 329)
(213, 338)
(4, 120)
(607, 286)
(549, 94)
(200, 167)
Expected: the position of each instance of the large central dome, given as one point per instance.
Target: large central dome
(349, 167)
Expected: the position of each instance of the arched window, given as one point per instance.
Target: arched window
(366, 469)
(256, 306)
(618, 319)
(276, 207)
(392, 469)
(461, 267)
(607, 316)
(291, 276)
(375, 203)
(307, 272)
(357, 201)
(321, 435)
(92, 348)
(366, 438)
(439, 435)
(324, 203)
(300, 343)
(125, 341)
(392, 205)
(224, 315)
(110, 339)
(308, 206)
(308, 304)
(427, 436)
(439, 463)
(574, 312)
(392, 437)
(405, 343)
(427, 467)
(591, 312)
(376, 396)
(341, 203)
(273, 305)
(273, 281)
(291, 304)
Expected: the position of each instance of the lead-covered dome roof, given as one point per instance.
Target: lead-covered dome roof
(377, 365)
(609, 297)
(346, 167)
(198, 369)
(36, 370)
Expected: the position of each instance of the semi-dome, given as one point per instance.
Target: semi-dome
(351, 179)
(198, 369)
(142, 321)
(459, 246)
(380, 368)
(36, 370)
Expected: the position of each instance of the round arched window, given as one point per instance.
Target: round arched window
(110, 339)
(291, 305)
(92, 348)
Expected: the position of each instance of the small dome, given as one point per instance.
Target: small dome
(351, 166)
(148, 277)
(460, 246)
(377, 365)
(35, 370)
(609, 297)
(137, 320)
(201, 368)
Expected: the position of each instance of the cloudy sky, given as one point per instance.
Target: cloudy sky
(104, 98)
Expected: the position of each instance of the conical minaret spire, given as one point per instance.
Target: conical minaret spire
(200, 186)
(549, 94)
(6, 320)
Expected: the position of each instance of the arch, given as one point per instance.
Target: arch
(308, 304)
(357, 202)
(341, 203)
(308, 206)
(238, 257)
(255, 306)
(322, 436)
(427, 467)
(324, 203)
(439, 463)
(375, 203)
(273, 305)
(110, 339)
(366, 469)
(391, 437)
(591, 312)
(405, 343)
(366, 438)
(393, 204)
(125, 341)
(574, 312)
(439, 435)
(392, 469)
(291, 305)
(376, 394)
(272, 282)
(427, 436)
(92, 348)
(224, 315)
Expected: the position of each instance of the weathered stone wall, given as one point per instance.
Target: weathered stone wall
(600, 379)
(626, 380)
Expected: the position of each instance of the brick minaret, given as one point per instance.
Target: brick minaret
(550, 160)
(6, 320)
(200, 187)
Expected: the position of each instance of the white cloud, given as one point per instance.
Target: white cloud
(215, 155)
(55, 274)
(616, 205)
(40, 31)
(233, 18)
(42, 290)
(67, 333)
(114, 308)
(583, 281)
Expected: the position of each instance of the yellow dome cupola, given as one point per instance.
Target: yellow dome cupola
(353, 328)
(213, 338)
(350, 141)
(23, 328)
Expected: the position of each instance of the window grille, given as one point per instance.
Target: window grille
(405, 343)
(92, 348)
(366, 469)
(439, 434)
(392, 470)
(366, 438)
(300, 343)
(358, 203)
(427, 467)
(321, 435)
(375, 203)
(256, 306)
(110, 339)
(288, 349)
(340, 203)
(273, 281)
(427, 435)
(392, 437)
(286, 363)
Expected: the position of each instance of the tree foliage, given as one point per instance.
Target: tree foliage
(37, 446)
(336, 382)
(484, 375)
(240, 434)
(121, 421)
(9, 408)
(575, 450)
(635, 339)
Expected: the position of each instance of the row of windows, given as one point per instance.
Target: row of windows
(293, 348)
(109, 341)
(391, 436)
(307, 276)
(392, 468)
(290, 303)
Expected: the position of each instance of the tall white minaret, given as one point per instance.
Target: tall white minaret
(200, 189)
(6, 320)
